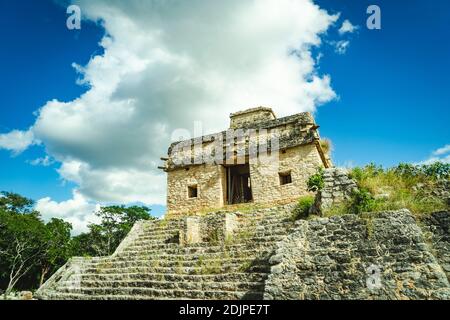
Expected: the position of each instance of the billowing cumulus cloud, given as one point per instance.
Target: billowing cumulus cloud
(165, 65)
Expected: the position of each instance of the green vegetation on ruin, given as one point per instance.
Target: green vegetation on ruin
(414, 187)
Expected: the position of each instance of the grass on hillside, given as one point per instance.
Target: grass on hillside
(404, 186)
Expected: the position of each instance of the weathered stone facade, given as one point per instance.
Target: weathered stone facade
(436, 229)
(249, 117)
(260, 159)
(338, 187)
(209, 180)
(380, 256)
(301, 162)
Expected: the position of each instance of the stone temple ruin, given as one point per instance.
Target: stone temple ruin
(259, 159)
(212, 244)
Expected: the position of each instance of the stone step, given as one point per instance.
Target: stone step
(153, 265)
(266, 224)
(176, 249)
(130, 255)
(175, 263)
(196, 252)
(153, 294)
(150, 244)
(158, 234)
(170, 285)
(160, 229)
(269, 225)
(185, 270)
(226, 277)
(259, 235)
(266, 219)
(157, 231)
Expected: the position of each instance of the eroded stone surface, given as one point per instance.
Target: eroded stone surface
(338, 187)
(333, 258)
(268, 255)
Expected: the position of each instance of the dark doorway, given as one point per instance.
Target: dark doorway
(239, 188)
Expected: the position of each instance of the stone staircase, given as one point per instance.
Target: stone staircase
(154, 262)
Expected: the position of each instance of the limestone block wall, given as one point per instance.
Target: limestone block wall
(210, 182)
(301, 162)
(437, 231)
(251, 116)
(388, 255)
(337, 187)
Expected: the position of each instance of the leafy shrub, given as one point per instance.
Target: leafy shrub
(315, 182)
(434, 171)
(407, 170)
(361, 201)
(301, 210)
(437, 170)
(369, 171)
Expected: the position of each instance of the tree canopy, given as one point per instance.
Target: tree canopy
(31, 250)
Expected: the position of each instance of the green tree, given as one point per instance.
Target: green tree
(82, 245)
(57, 248)
(22, 241)
(13, 202)
(31, 250)
(116, 222)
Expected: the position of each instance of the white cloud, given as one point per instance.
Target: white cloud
(45, 161)
(439, 155)
(167, 64)
(120, 185)
(347, 27)
(16, 141)
(78, 211)
(342, 46)
(441, 151)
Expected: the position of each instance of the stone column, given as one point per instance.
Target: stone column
(190, 233)
(230, 225)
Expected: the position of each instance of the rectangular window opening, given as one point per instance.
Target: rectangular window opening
(192, 192)
(285, 178)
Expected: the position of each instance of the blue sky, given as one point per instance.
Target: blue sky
(393, 84)
(36, 66)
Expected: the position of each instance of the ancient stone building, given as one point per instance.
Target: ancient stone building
(260, 159)
(262, 253)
